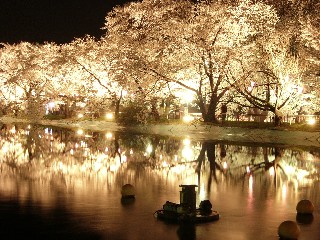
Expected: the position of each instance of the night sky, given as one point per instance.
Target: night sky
(57, 21)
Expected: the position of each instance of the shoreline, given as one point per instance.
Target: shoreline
(198, 132)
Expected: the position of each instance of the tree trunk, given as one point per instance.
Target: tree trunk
(210, 115)
(154, 110)
(116, 109)
(34, 109)
(67, 109)
(278, 117)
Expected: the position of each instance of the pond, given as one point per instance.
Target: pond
(64, 184)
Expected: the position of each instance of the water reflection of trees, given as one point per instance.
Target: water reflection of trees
(42, 150)
(235, 163)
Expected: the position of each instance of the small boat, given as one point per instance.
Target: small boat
(186, 211)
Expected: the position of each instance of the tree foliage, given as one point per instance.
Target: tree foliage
(189, 46)
(24, 69)
(262, 54)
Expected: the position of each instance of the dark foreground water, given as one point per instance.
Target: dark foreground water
(60, 184)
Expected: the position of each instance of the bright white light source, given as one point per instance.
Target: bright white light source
(164, 164)
(188, 118)
(80, 115)
(123, 158)
(186, 142)
(51, 105)
(311, 121)
(225, 165)
(149, 149)
(109, 116)
(13, 130)
(109, 135)
(271, 171)
(80, 132)
(187, 153)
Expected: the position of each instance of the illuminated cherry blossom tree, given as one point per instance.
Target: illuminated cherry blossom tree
(124, 37)
(24, 77)
(279, 80)
(310, 44)
(97, 62)
(262, 54)
(273, 83)
(188, 46)
(70, 85)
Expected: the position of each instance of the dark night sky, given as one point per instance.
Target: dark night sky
(57, 21)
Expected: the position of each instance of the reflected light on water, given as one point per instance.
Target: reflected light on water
(250, 183)
(123, 158)
(284, 192)
(149, 149)
(250, 193)
(271, 171)
(225, 165)
(97, 166)
(289, 170)
(187, 153)
(165, 164)
(78, 159)
(85, 176)
(202, 192)
(302, 174)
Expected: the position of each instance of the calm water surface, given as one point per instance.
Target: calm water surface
(63, 184)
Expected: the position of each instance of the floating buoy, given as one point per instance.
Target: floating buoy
(128, 191)
(205, 206)
(305, 207)
(288, 230)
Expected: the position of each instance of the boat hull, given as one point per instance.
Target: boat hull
(197, 217)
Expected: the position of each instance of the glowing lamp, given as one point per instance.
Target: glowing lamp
(188, 118)
(149, 149)
(109, 116)
(311, 121)
(186, 142)
(108, 135)
(80, 132)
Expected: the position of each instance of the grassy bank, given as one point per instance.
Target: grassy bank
(251, 124)
(239, 124)
(267, 125)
